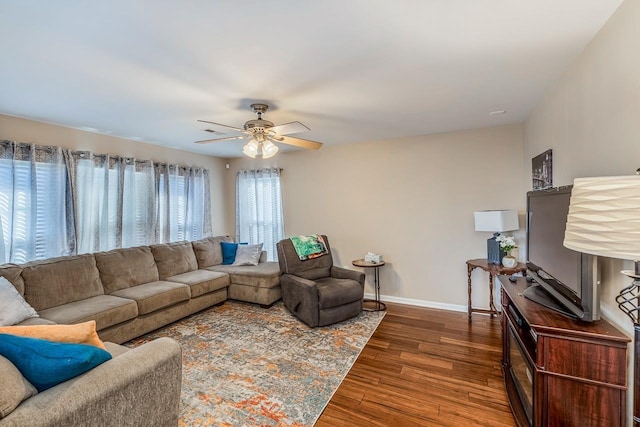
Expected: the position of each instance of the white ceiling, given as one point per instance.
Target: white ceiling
(351, 70)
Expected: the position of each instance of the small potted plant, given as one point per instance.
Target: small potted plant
(507, 243)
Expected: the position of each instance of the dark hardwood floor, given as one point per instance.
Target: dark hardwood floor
(425, 367)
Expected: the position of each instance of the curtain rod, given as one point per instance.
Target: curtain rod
(259, 170)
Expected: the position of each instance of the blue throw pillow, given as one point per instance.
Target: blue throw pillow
(46, 363)
(229, 252)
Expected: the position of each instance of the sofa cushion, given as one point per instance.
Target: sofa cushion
(106, 310)
(202, 281)
(11, 272)
(57, 281)
(15, 387)
(13, 308)
(174, 258)
(81, 333)
(123, 268)
(263, 275)
(208, 251)
(45, 364)
(229, 251)
(155, 295)
(333, 292)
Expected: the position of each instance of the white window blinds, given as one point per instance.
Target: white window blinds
(115, 202)
(183, 203)
(56, 202)
(259, 217)
(34, 203)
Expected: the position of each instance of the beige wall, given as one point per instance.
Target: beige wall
(22, 130)
(411, 199)
(591, 121)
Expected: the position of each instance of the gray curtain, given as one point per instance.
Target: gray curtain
(56, 202)
(36, 210)
(114, 200)
(183, 208)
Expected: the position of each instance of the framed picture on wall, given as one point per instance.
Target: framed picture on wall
(541, 171)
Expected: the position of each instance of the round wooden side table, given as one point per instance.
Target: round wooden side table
(377, 304)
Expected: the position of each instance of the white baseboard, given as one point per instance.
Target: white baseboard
(419, 303)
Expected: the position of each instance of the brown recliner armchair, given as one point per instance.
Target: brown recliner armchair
(316, 291)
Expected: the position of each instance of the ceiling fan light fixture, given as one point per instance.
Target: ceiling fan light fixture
(251, 149)
(264, 135)
(269, 149)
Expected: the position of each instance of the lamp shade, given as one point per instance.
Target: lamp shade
(269, 149)
(251, 148)
(496, 221)
(604, 217)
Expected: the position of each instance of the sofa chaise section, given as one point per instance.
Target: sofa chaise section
(258, 284)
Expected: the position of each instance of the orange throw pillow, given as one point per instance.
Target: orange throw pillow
(80, 333)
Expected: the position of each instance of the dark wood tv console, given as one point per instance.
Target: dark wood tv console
(559, 371)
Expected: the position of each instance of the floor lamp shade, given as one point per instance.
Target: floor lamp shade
(604, 220)
(604, 217)
(496, 222)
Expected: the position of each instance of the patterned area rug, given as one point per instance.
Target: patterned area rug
(248, 366)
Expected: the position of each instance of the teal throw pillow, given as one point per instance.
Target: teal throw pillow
(46, 363)
(229, 252)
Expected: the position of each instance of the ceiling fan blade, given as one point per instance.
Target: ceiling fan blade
(299, 142)
(228, 138)
(221, 125)
(288, 128)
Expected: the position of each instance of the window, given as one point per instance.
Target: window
(115, 202)
(183, 203)
(259, 217)
(35, 214)
(55, 202)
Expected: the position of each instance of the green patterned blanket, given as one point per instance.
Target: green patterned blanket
(309, 247)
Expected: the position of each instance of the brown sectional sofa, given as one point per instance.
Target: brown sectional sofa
(130, 292)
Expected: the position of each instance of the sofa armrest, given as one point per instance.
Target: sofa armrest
(140, 387)
(300, 296)
(344, 273)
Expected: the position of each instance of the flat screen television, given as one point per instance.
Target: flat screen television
(563, 280)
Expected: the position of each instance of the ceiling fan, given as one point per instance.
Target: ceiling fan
(263, 134)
